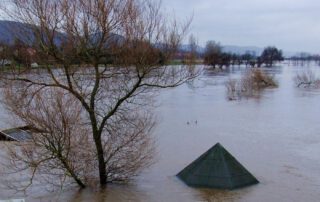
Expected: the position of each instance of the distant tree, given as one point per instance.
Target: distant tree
(192, 53)
(212, 53)
(235, 59)
(259, 61)
(22, 54)
(270, 55)
(225, 59)
(249, 59)
(303, 58)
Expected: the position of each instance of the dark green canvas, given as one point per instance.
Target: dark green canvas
(217, 168)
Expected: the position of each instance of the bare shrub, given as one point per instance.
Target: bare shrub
(249, 85)
(307, 79)
(233, 89)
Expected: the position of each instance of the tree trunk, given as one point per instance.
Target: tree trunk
(100, 153)
(102, 166)
(101, 161)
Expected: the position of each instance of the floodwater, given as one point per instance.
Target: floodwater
(276, 137)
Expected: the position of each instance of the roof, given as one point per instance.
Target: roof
(16, 134)
(217, 168)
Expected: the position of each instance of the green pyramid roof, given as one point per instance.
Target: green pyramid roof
(217, 168)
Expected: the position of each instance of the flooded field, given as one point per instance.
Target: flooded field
(276, 137)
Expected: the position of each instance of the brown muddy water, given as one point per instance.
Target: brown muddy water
(276, 137)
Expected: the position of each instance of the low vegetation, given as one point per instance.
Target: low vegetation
(249, 85)
(307, 79)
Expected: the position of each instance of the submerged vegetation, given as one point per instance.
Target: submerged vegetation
(249, 85)
(307, 79)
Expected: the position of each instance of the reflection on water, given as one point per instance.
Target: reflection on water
(212, 195)
(276, 137)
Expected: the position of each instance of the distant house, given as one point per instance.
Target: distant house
(19, 134)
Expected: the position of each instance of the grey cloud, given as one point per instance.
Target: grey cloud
(292, 25)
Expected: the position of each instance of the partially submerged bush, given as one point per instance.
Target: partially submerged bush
(249, 85)
(307, 79)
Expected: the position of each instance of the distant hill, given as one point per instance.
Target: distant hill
(10, 31)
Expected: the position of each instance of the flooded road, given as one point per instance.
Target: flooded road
(276, 137)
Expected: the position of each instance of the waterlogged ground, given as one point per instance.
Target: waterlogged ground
(276, 137)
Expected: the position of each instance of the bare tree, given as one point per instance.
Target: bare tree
(192, 52)
(73, 37)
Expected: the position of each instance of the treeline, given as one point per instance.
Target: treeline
(27, 55)
(17, 53)
(215, 56)
(304, 59)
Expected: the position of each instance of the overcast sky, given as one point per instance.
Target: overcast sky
(292, 25)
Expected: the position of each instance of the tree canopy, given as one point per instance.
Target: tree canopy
(270, 55)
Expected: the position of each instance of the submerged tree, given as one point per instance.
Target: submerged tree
(74, 37)
(270, 55)
(249, 58)
(212, 54)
